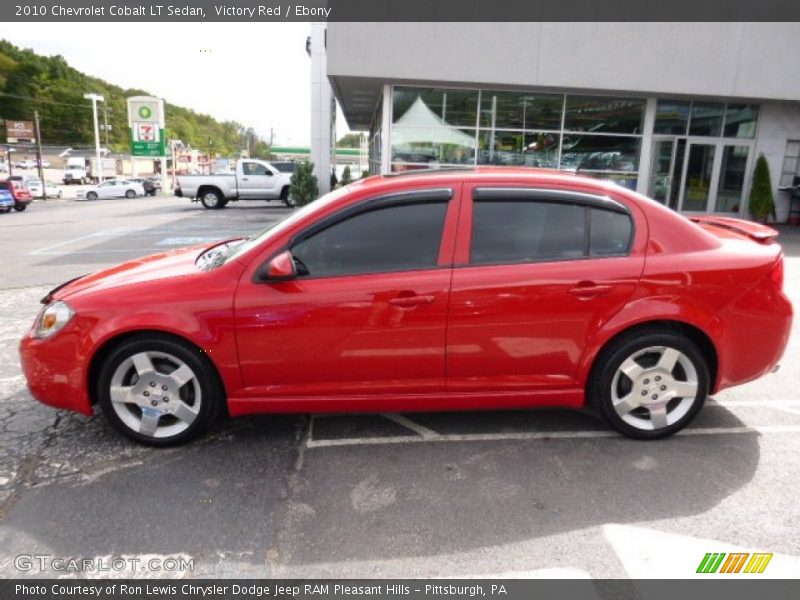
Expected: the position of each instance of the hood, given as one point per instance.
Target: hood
(164, 265)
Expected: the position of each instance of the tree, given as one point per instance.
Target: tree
(364, 173)
(303, 186)
(762, 203)
(351, 140)
(347, 177)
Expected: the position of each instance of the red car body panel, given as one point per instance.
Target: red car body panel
(457, 336)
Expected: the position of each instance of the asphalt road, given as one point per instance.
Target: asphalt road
(540, 493)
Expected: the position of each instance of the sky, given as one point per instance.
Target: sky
(255, 73)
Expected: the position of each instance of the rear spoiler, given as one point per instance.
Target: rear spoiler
(755, 231)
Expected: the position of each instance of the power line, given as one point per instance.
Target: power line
(44, 101)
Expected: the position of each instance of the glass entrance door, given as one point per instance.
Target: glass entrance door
(698, 183)
(732, 172)
(661, 170)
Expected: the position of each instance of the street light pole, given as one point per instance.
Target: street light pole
(94, 98)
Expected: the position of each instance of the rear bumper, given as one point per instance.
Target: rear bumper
(754, 333)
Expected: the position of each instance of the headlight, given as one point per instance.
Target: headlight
(52, 319)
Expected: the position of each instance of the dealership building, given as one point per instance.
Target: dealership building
(677, 111)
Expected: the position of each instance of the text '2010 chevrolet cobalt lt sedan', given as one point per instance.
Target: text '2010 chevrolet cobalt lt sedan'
(447, 290)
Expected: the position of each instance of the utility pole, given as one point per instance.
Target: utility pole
(39, 153)
(105, 121)
(94, 98)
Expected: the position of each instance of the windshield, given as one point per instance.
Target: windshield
(231, 250)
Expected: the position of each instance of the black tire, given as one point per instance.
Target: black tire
(130, 194)
(212, 199)
(5, 210)
(20, 206)
(211, 399)
(602, 384)
(287, 199)
(91, 196)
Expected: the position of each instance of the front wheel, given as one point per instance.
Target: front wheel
(130, 194)
(158, 391)
(20, 206)
(650, 385)
(287, 198)
(91, 196)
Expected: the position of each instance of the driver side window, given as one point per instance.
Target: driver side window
(252, 168)
(402, 237)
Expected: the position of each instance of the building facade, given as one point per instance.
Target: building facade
(677, 111)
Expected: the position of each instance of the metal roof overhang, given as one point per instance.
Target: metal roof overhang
(358, 98)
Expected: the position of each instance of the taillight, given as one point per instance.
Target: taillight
(776, 275)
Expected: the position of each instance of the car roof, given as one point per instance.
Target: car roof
(491, 174)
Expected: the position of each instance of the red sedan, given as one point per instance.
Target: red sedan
(445, 290)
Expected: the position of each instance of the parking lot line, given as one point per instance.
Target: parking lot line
(409, 424)
(536, 435)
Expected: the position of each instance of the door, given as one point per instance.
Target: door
(731, 179)
(109, 189)
(367, 313)
(699, 181)
(661, 170)
(256, 180)
(545, 270)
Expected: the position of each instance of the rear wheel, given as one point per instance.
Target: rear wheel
(211, 199)
(158, 391)
(20, 206)
(91, 196)
(130, 194)
(5, 209)
(650, 385)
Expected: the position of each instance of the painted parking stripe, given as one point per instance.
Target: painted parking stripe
(537, 435)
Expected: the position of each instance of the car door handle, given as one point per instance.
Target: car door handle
(409, 301)
(245, 179)
(586, 290)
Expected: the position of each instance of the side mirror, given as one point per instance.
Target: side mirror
(279, 268)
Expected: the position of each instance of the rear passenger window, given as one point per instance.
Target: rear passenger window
(525, 231)
(610, 233)
(537, 230)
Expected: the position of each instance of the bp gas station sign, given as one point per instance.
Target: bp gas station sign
(146, 122)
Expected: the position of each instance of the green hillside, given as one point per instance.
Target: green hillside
(48, 84)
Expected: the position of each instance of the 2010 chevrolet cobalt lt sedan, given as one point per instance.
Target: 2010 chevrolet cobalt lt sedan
(445, 290)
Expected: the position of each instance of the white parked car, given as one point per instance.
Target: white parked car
(113, 188)
(51, 189)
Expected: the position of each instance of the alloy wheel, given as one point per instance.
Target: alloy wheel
(155, 394)
(654, 388)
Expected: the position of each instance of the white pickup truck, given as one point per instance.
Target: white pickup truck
(252, 180)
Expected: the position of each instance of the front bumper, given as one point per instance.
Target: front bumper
(56, 371)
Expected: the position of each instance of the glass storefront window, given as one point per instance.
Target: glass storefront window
(740, 120)
(600, 153)
(706, 118)
(672, 118)
(606, 115)
(454, 107)
(520, 110)
(434, 145)
(518, 148)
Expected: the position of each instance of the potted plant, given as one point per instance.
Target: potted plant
(762, 202)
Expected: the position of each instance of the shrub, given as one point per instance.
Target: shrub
(762, 203)
(347, 177)
(303, 186)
